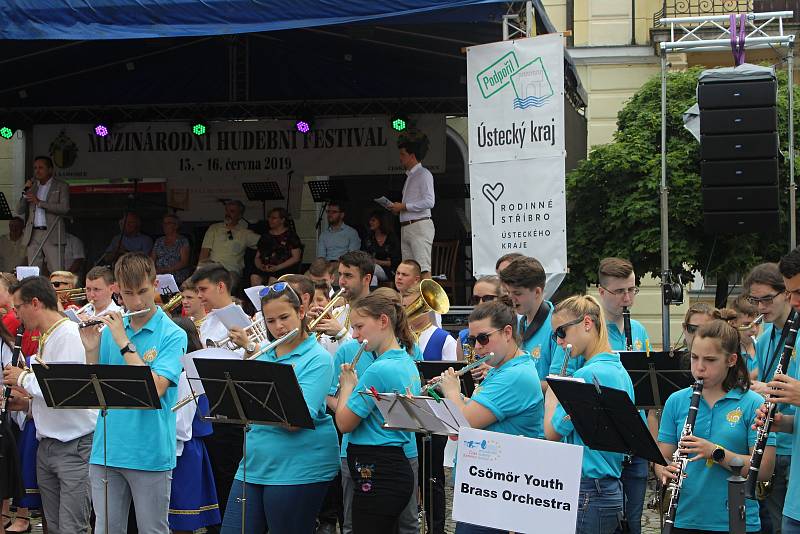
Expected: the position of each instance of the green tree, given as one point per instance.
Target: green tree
(613, 197)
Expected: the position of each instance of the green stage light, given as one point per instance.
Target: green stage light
(199, 129)
(6, 132)
(399, 124)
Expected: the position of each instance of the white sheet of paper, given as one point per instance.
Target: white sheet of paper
(383, 201)
(24, 271)
(568, 378)
(208, 354)
(166, 282)
(440, 417)
(232, 316)
(252, 294)
(72, 316)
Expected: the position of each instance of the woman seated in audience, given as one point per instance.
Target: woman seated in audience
(279, 250)
(382, 244)
(172, 250)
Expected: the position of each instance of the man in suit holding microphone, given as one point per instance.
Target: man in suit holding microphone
(43, 204)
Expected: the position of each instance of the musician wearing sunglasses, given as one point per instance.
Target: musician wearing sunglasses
(288, 469)
(376, 457)
(766, 290)
(509, 400)
(721, 434)
(580, 322)
(486, 289)
(524, 279)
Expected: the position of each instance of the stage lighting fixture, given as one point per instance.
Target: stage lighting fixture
(101, 130)
(400, 122)
(303, 126)
(199, 129)
(6, 132)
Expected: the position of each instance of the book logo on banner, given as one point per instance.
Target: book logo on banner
(493, 194)
(531, 84)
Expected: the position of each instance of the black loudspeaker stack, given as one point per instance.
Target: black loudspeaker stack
(739, 153)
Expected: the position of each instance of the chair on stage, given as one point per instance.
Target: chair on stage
(443, 262)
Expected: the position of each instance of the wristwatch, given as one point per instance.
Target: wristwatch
(251, 347)
(719, 454)
(130, 347)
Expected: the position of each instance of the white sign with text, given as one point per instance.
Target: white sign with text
(516, 483)
(516, 148)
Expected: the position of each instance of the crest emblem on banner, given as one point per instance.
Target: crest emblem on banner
(530, 82)
(63, 151)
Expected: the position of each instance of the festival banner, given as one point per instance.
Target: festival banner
(516, 483)
(515, 96)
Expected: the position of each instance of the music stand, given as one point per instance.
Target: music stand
(81, 386)
(261, 192)
(655, 375)
(5, 211)
(606, 419)
(325, 191)
(252, 392)
(433, 369)
(422, 415)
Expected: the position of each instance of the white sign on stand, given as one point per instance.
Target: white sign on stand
(513, 482)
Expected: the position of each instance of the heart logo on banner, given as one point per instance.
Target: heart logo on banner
(493, 194)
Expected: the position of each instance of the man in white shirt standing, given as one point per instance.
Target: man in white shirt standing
(65, 436)
(416, 226)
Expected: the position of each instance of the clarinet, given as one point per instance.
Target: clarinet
(682, 459)
(792, 324)
(626, 320)
(14, 361)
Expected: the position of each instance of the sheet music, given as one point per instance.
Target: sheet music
(166, 283)
(383, 201)
(71, 315)
(24, 271)
(252, 294)
(232, 316)
(438, 417)
(212, 353)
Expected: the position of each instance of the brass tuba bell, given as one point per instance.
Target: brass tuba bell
(432, 298)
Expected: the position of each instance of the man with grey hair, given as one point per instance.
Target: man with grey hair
(225, 242)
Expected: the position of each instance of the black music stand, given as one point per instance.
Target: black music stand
(655, 375)
(606, 419)
(433, 369)
(261, 192)
(80, 386)
(5, 211)
(252, 392)
(325, 191)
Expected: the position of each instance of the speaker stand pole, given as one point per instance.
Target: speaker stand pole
(792, 185)
(665, 273)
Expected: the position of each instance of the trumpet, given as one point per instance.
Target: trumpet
(256, 333)
(757, 321)
(433, 385)
(326, 310)
(567, 356)
(173, 302)
(85, 307)
(71, 295)
(93, 321)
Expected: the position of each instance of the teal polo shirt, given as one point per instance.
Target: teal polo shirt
(541, 346)
(727, 424)
(608, 371)
(143, 439)
(279, 457)
(392, 372)
(791, 506)
(766, 344)
(345, 354)
(513, 393)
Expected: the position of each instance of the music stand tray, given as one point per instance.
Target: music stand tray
(119, 387)
(325, 190)
(432, 369)
(5, 211)
(247, 392)
(655, 375)
(262, 192)
(606, 419)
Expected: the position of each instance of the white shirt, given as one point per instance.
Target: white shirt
(112, 307)
(185, 415)
(448, 349)
(418, 194)
(213, 329)
(62, 345)
(39, 217)
(73, 250)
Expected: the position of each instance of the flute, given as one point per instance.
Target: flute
(567, 356)
(93, 322)
(269, 346)
(434, 386)
(792, 324)
(682, 459)
(358, 354)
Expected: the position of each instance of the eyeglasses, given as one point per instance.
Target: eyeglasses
(477, 299)
(622, 291)
(230, 235)
(482, 338)
(561, 331)
(277, 288)
(59, 284)
(691, 328)
(793, 292)
(767, 300)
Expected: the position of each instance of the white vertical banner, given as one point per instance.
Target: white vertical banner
(515, 95)
(516, 483)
